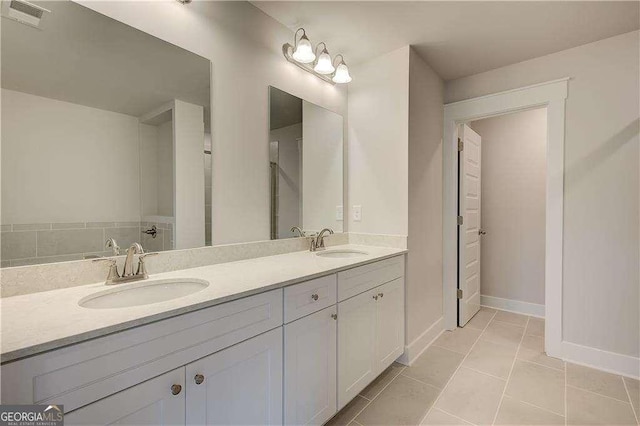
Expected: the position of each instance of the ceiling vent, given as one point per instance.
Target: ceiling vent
(24, 12)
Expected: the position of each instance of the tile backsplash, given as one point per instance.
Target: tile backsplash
(37, 243)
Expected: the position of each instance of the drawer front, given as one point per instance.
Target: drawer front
(358, 280)
(309, 297)
(80, 374)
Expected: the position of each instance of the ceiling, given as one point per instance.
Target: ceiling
(83, 57)
(456, 38)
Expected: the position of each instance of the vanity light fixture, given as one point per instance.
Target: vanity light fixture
(302, 54)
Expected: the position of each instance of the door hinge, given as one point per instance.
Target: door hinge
(459, 293)
(460, 145)
(460, 220)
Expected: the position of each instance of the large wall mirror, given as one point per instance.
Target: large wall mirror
(306, 166)
(100, 124)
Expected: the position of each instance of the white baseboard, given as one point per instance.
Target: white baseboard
(510, 305)
(414, 349)
(612, 362)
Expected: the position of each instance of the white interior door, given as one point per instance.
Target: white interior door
(469, 229)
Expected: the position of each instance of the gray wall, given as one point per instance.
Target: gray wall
(513, 205)
(601, 211)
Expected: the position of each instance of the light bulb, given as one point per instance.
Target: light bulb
(324, 65)
(342, 74)
(304, 53)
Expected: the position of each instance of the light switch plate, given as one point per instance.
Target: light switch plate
(357, 213)
(339, 213)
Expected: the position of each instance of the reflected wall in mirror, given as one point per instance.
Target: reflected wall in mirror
(306, 166)
(100, 124)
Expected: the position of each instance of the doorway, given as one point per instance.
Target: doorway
(551, 95)
(501, 202)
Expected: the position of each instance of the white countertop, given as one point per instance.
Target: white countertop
(40, 322)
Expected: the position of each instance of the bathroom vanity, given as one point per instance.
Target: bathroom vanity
(292, 348)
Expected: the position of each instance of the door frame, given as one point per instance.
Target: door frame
(551, 95)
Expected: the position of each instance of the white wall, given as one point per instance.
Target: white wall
(322, 167)
(289, 174)
(245, 47)
(424, 264)
(514, 168)
(378, 144)
(601, 186)
(63, 162)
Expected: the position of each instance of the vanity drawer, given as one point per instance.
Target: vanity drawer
(358, 280)
(80, 374)
(309, 297)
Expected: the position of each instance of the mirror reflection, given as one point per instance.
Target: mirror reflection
(306, 166)
(100, 124)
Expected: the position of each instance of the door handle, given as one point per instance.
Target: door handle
(482, 232)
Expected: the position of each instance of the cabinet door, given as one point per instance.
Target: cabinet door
(239, 385)
(153, 402)
(389, 323)
(356, 345)
(310, 368)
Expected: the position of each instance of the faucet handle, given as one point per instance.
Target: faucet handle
(113, 269)
(142, 269)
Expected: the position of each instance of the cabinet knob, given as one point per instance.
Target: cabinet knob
(176, 389)
(375, 297)
(314, 296)
(199, 379)
(334, 316)
(381, 294)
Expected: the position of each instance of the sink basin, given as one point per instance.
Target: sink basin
(341, 254)
(143, 293)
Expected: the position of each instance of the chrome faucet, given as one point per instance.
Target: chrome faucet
(317, 242)
(127, 271)
(297, 228)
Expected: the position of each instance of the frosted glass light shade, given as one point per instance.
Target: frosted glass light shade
(304, 52)
(342, 74)
(324, 65)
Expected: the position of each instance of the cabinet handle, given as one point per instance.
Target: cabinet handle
(199, 379)
(334, 316)
(176, 389)
(375, 297)
(314, 296)
(381, 294)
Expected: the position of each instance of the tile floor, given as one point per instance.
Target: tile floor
(493, 371)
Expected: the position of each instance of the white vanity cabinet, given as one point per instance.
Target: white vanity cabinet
(241, 385)
(371, 324)
(159, 401)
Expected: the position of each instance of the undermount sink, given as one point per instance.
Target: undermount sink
(341, 254)
(143, 293)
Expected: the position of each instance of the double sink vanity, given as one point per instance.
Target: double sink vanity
(284, 339)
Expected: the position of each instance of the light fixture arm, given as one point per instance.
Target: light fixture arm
(296, 39)
(339, 55)
(323, 50)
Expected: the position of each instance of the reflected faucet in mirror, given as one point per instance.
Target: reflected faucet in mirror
(295, 229)
(317, 242)
(114, 277)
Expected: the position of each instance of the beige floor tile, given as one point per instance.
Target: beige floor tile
(532, 349)
(472, 396)
(514, 412)
(491, 358)
(460, 340)
(349, 412)
(511, 318)
(435, 366)
(439, 417)
(371, 391)
(600, 382)
(535, 327)
(633, 386)
(503, 333)
(481, 319)
(587, 408)
(537, 385)
(404, 402)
